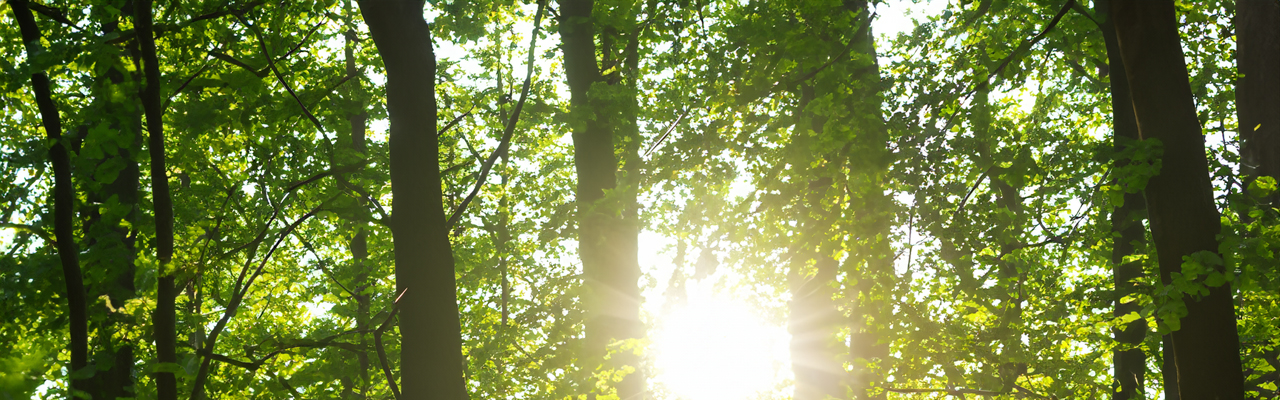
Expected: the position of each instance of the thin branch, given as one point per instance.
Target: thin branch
(668, 131)
(169, 100)
(454, 122)
(219, 14)
(1027, 45)
(34, 230)
(165, 28)
(271, 64)
(382, 351)
(953, 392)
(303, 41)
(965, 200)
(241, 289)
(511, 124)
(53, 13)
(259, 72)
(320, 265)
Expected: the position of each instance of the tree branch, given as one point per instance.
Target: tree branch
(382, 351)
(511, 124)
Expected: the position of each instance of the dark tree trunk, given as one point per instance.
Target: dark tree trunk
(1258, 88)
(1128, 233)
(64, 198)
(165, 316)
(431, 363)
(1184, 219)
(607, 243)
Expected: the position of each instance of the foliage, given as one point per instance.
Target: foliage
(960, 173)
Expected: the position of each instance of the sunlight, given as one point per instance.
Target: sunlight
(717, 349)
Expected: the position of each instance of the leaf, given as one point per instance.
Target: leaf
(1262, 187)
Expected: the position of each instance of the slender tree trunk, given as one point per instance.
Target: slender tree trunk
(64, 197)
(1184, 219)
(165, 316)
(359, 244)
(431, 344)
(1127, 231)
(1258, 86)
(606, 242)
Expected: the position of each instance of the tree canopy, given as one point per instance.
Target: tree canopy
(395, 199)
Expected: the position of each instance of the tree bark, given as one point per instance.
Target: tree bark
(607, 230)
(165, 314)
(1184, 219)
(1258, 87)
(64, 198)
(431, 344)
(1127, 231)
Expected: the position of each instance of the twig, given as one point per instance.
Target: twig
(960, 208)
(668, 132)
(511, 124)
(454, 122)
(953, 392)
(271, 64)
(1008, 59)
(169, 100)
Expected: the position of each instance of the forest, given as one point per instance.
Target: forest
(640, 199)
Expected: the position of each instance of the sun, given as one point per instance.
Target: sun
(717, 349)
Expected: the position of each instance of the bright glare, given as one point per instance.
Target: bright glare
(716, 349)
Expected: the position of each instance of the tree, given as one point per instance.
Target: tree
(1184, 220)
(603, 112)
(166, 319)
(431, 351)
(1126, 223)
(1257, 97)
(64, 194)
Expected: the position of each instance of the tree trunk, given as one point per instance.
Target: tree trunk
(165, 316)
(814, 318)
(814, 324)
(1258, 87)
(1128, 233)
(869, 305)
(1184, 219)
(358, 245)
(64, 198)
(431, 363)
(607, 232)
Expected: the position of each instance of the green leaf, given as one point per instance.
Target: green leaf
(1262, 187)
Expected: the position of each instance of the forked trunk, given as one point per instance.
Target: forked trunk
(1184, 219)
